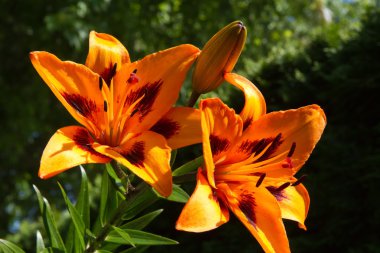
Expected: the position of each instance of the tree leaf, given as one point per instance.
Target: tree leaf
(8, 246)
(40, 245)
(124, 235)
(141, 238)
(49, 222)
(142, 221)
(188, 167)
(76, 218)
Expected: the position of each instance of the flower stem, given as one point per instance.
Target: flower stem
(193, 98)
(118, 214)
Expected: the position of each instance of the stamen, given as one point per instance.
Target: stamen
(283, 186)
(100, 83)
(261, 179)
(134, 71)
(105, 107)
(292, 149)
(134, 112)
(113, 71)
(300, 180)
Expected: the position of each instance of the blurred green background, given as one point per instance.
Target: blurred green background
(297, 52)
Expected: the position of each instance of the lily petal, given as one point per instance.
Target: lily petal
(255, 105)
(68, 147)
(156, 80)
(294, 203)
(75, 85)
(258, 210)
(203, 211)
(181, 127)
(146, 155)
(288, 135)
(220, 128)
(104, 52)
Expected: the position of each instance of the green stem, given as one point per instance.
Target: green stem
(118, 214)
(193, 98)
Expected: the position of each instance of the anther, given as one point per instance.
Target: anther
(261, 179)
(105, 106)
(134, 112)
(100, 83)
(134, 71)
(300, 180)
(113, 71)
(292, 149)
(283, 186)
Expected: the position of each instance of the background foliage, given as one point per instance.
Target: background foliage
(297, 52)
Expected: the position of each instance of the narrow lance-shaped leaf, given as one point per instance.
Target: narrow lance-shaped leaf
(124, 235)
(40, 245)
(83, 202)
(7, 246)
(142, 221)
(188, 167)
(75, 217)
(49, 222)
(178, 195)
(138, 249)
(141, 238)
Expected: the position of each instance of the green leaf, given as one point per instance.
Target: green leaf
(188, 167)
(102, 251)
(178, 195)
(40, 245)
(7, 246)
(173, 157)
(49, 222)
(83, 202)
(142, 221)
(144, 198)
(124, 235)
(141, 238)
(103, 197)
(76, 218)
(138, 249)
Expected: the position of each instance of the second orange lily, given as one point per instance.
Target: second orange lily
(249, 169)
(125, 109)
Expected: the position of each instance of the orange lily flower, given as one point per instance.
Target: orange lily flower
(250, 171)
(124, 107)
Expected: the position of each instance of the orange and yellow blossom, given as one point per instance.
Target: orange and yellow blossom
(125, 109)
(249, 169)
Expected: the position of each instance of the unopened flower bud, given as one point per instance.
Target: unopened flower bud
(218, 56)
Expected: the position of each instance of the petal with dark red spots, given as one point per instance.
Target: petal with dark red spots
(181, 127)
(76, 86)
(258, 210)
(69, 147)
(147, 155)
(203, 211)
(160, 78)
(220, 128)
(106, 55)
